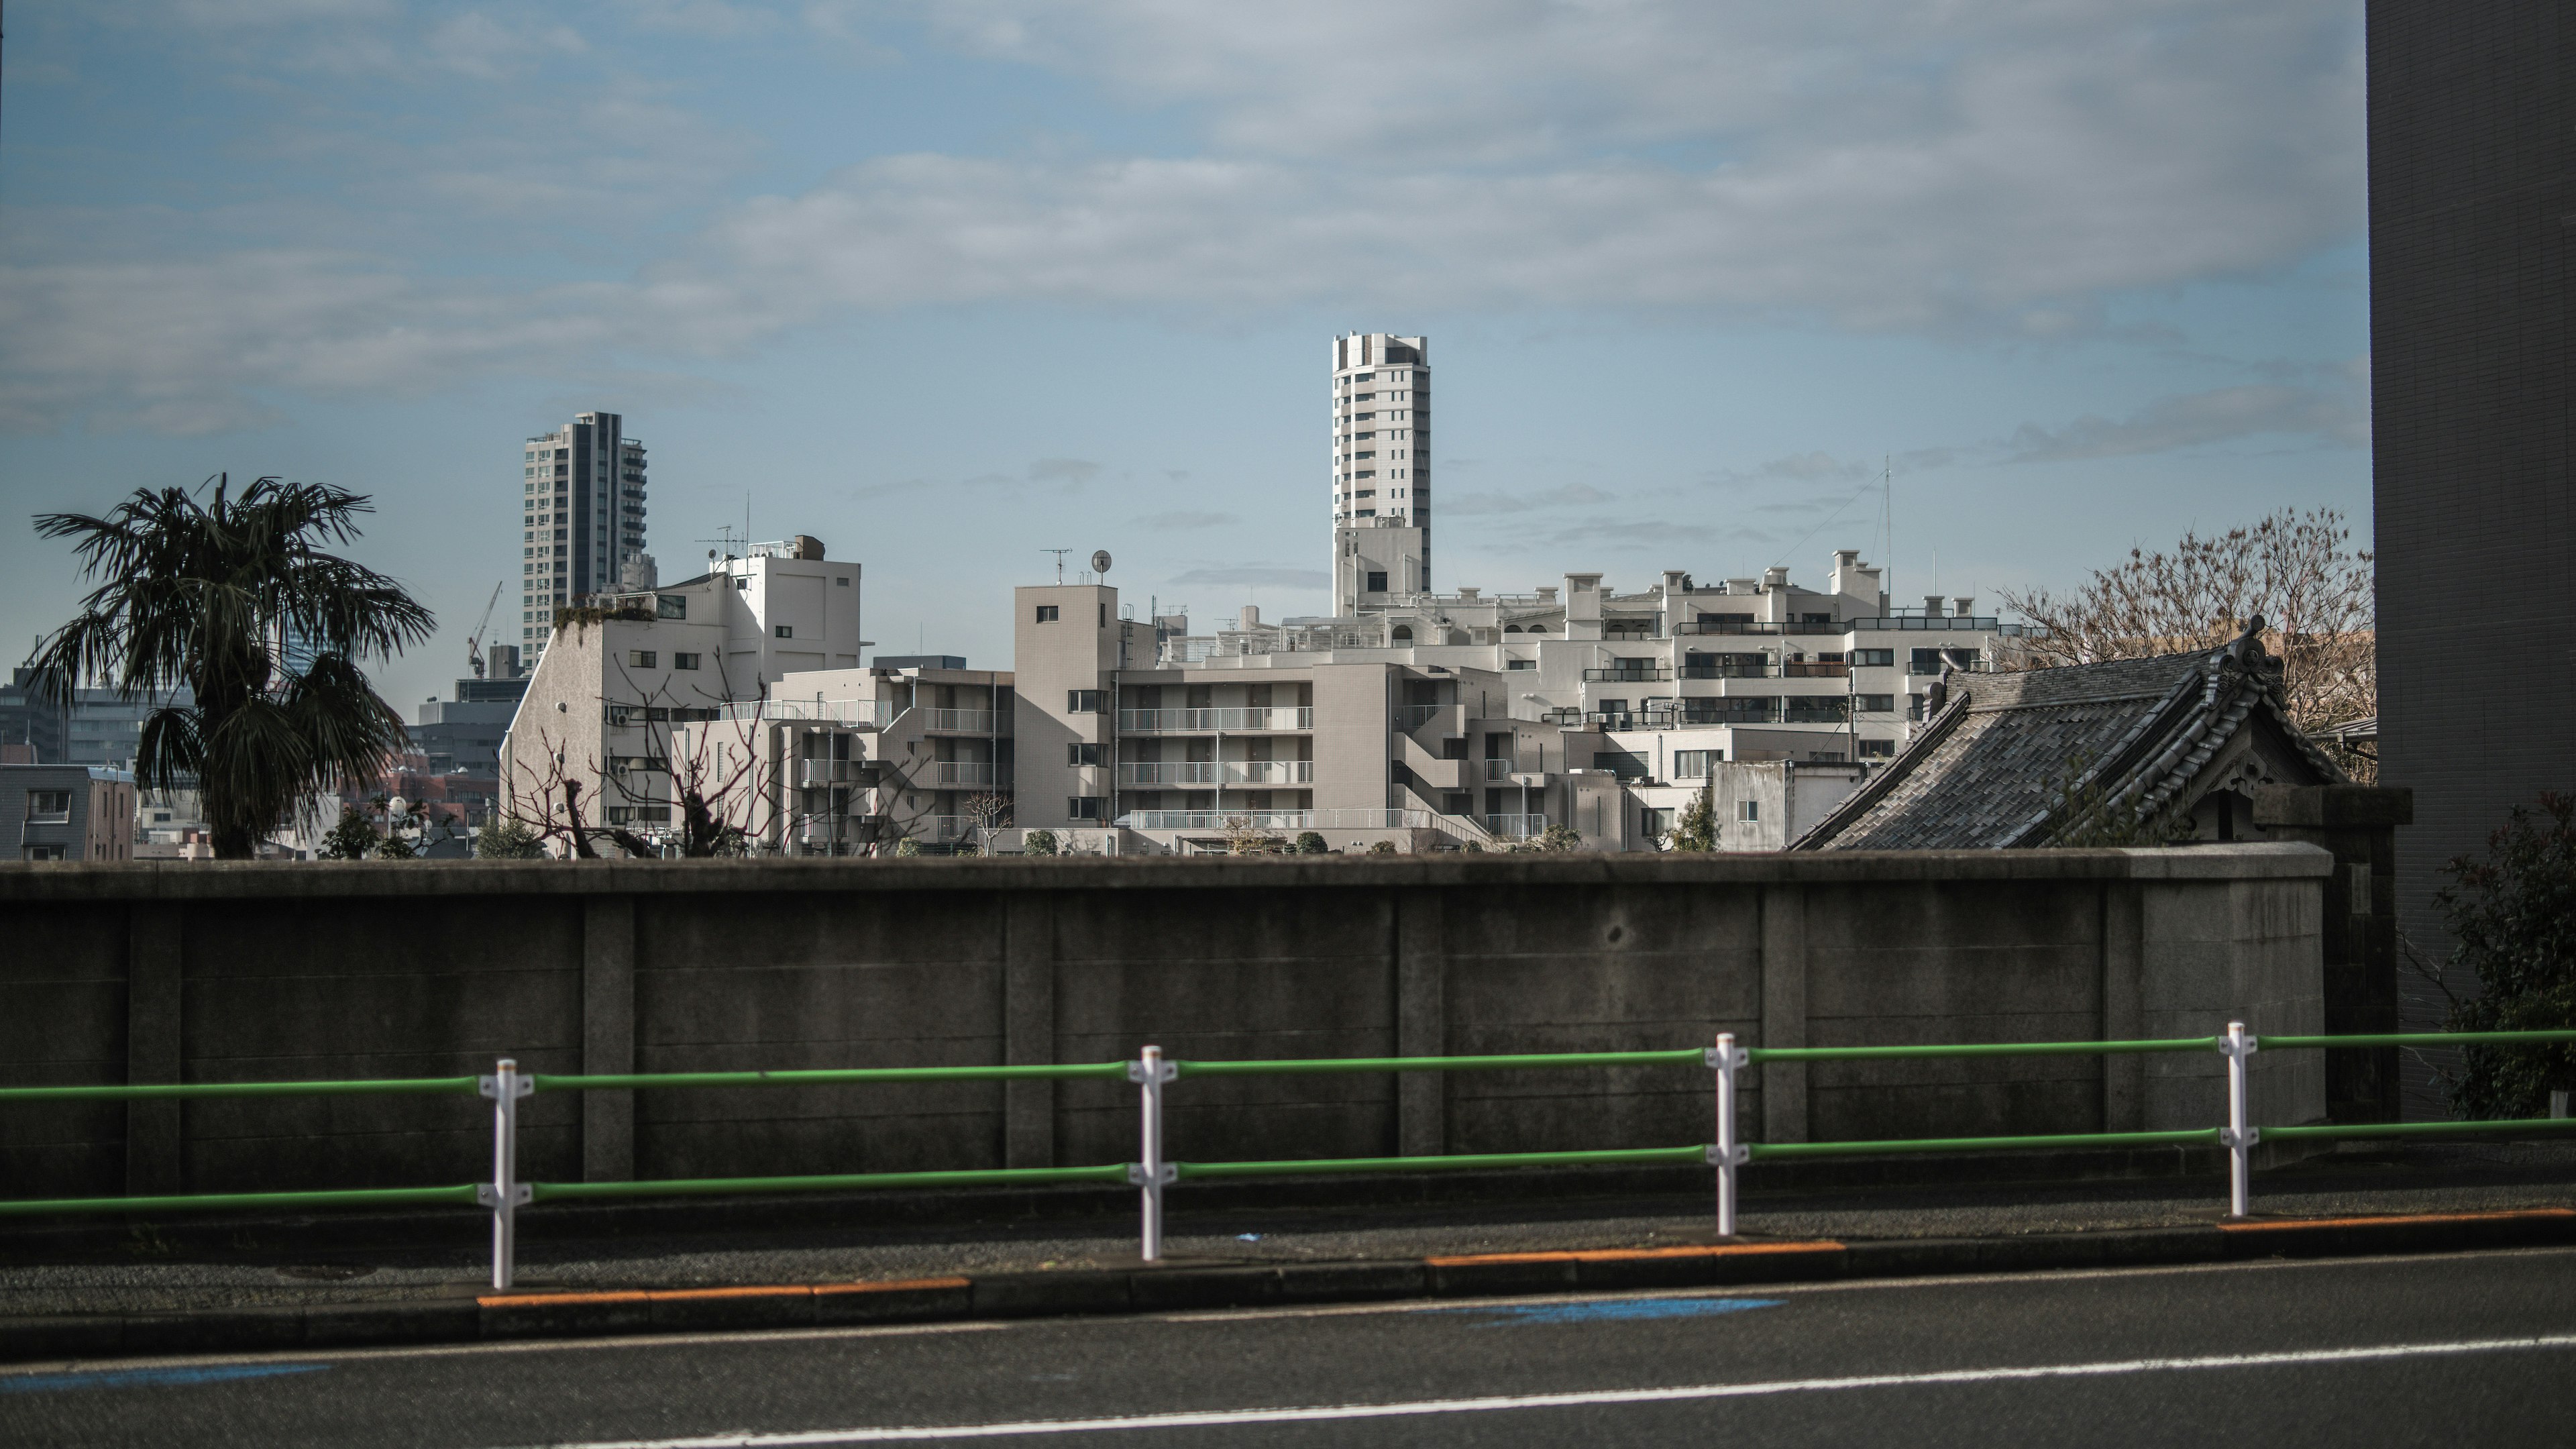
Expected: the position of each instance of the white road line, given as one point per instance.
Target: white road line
(1219, 1418)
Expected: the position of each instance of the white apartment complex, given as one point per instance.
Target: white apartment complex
(1381, 466)
(581, 520)
(1469, 716)
(607, 706)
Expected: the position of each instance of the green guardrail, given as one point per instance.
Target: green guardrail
(1153, 1171)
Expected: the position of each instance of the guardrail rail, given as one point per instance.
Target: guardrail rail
(1153, 1171)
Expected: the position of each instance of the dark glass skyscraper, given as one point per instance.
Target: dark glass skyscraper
(2473, 413)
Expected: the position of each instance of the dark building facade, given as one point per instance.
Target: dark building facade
(2473, 353)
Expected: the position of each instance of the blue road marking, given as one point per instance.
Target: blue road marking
(1614, 1310)
(149, 1378)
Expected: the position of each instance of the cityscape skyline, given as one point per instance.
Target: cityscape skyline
(526, 223)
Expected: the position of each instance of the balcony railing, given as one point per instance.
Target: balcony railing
(1411, 717)
(1814, 669)
(1276, 819)
(960, 721)
(1751, 669)
(1213, 721)
(1504, 769)
(1628, 674)
(1727, 624)
(862, 714)
(811, 773)
(1209, 774)
(952, 774)
(1515, 827)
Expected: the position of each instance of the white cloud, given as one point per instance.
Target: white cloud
(2336, 418)
(2000, 166)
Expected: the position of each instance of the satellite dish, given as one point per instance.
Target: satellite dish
(1100, 560)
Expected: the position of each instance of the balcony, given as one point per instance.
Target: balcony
(952, 774)
(1629, 674)
(1515, 827)
(1276, 820)
(858, 714)
(960, 721)
(1760, 669)
(1213, 721)
(1505, 769)
(1729, 624)
(1815, 669)
(813, 773)
(1213, 774)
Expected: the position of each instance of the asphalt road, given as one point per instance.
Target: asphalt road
(2464, 1349)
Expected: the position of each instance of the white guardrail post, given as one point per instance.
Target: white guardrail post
(1150, 1173)
(504, 1193)
(1726, 1057)
(2238, 1138)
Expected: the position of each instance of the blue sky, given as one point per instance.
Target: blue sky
(949, 283)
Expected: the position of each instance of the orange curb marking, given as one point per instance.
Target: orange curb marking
(682, 1295)
(892, 1287)
(1621, 1255)
(2502, 1215)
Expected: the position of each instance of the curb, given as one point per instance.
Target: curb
(1183, 1286)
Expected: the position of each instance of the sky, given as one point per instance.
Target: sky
(1990, 291)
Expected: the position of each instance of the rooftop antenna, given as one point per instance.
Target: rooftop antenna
(1059, 561)
(729, 540)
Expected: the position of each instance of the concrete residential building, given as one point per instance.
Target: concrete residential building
(1381, 468)
(602, 704)
(1468, 717)
(67, 812)
(581, 519)
(845, 761)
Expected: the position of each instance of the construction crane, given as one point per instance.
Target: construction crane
(474, 642)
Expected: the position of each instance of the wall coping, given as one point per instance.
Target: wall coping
(27, 882)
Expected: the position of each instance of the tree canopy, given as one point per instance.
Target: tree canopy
(238, 601)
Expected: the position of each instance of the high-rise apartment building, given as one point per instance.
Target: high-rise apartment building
(1381, 412)
(581, 520)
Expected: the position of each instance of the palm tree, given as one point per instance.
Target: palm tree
(210, 597)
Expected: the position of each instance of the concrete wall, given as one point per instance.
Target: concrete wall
(202, 972)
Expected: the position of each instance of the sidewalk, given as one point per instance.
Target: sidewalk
(147, 1297)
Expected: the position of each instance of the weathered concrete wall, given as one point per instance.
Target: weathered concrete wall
(195, 972)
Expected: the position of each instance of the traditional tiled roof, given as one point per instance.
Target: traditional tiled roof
(2005, 756)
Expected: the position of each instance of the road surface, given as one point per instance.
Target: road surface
(2473, 1349)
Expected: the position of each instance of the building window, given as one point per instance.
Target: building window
(1748, 812)
(1877, 749)
(1401, 634)
(1875, 703)
(1657, 821)
(785, 631)
(683, 661)
(1082, 807)
(842, 579)
(1080, 754)
(1377, 583)
(1082, 701)
(1695, 764)
(44, 852)
(742, 585)
(641, 658)
(1047, 613)
(49, 807)
(1520, 664)
(1868, 658)
(671, 606)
